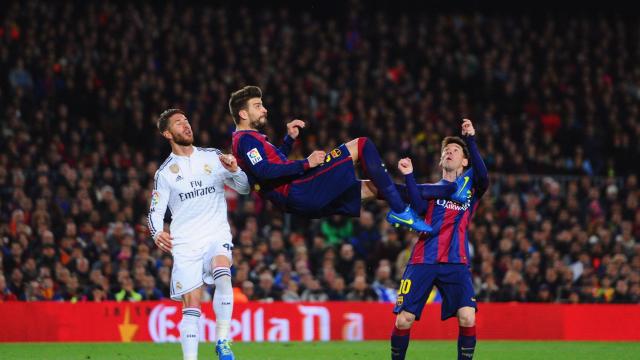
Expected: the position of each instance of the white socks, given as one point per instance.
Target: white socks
(222, 301)
(189, 333)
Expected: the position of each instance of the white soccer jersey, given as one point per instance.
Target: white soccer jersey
(193, 189)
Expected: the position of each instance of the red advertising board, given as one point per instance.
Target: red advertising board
(158, 321)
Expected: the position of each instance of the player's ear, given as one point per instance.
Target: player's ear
(167, 135)
(243, 114)
(465, 162)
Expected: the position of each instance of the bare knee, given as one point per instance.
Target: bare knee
(352, 146)
(467, 316)
(192, 299)
(368, 190)
(404, 320)
(220, 261)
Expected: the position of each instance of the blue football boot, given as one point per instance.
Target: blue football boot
(463, 191)
(408, 218)
(224, 350)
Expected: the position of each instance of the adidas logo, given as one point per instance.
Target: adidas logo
(178, 178)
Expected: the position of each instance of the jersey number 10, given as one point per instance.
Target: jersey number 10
(405, 285)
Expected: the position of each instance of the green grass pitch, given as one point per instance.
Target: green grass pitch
(493, 350)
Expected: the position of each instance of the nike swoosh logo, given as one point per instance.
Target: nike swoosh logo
(408, 222)
(466, 180)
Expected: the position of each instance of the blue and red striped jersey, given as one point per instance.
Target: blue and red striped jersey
(269, 171)
(449, 240)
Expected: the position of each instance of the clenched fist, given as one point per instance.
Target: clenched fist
(405, 166)
(467, 128)
(316, 158)
(229, 162)
(293, 128)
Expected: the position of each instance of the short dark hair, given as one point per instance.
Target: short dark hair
(456, 140)
(239, 99)
(163, 120)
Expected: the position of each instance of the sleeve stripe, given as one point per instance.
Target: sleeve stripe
(152, 228)
(217, 151)
(164, 163)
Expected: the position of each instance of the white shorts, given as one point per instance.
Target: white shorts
(193, 267)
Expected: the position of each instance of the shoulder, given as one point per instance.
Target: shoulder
(252, 137)
(211, 150)
(209, 154)
(164, 166)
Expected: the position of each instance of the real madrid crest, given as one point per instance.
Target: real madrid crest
(174, 168)
(207, 168)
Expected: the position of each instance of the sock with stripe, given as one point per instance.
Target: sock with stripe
(374, 168)
(222, 301)
(399, 343)
(189, 333)
(466, 342)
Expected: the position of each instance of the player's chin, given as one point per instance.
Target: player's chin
(185, 141)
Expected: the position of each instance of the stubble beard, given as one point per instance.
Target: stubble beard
(183, 140)
(259, 123)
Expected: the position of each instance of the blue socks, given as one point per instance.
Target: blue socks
(399, 343)
(466, 342)
(374, 168)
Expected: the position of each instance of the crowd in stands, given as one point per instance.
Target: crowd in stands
(555, 102)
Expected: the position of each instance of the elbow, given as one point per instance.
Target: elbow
(483, 183)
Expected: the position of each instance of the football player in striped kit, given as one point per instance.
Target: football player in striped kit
(441, 258)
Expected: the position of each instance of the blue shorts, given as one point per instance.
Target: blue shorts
(329, 189)
(452, 280)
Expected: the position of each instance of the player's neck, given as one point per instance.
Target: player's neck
(451, 175)
(244, 127)
(181, 150)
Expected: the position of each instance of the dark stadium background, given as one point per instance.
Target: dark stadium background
(553, 90)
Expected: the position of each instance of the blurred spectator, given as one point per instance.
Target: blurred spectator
(5, 291)
(79, 148)
(149, 290)
(127, 293)
(336, 229)
(383, 285)
(266, 290)
(361, 291)
(314, 292)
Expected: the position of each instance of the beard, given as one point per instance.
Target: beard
(182, 140)
(259, 123)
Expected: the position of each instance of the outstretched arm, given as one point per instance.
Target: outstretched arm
(234, 177)
(254, 154)
(293, 130)
(287, 145)
(415, 200)
(481, 175)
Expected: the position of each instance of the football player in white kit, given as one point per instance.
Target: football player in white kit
(191, 183)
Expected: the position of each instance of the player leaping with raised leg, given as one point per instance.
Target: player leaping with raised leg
(191, 183)
(321, 185)
(441, 258)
